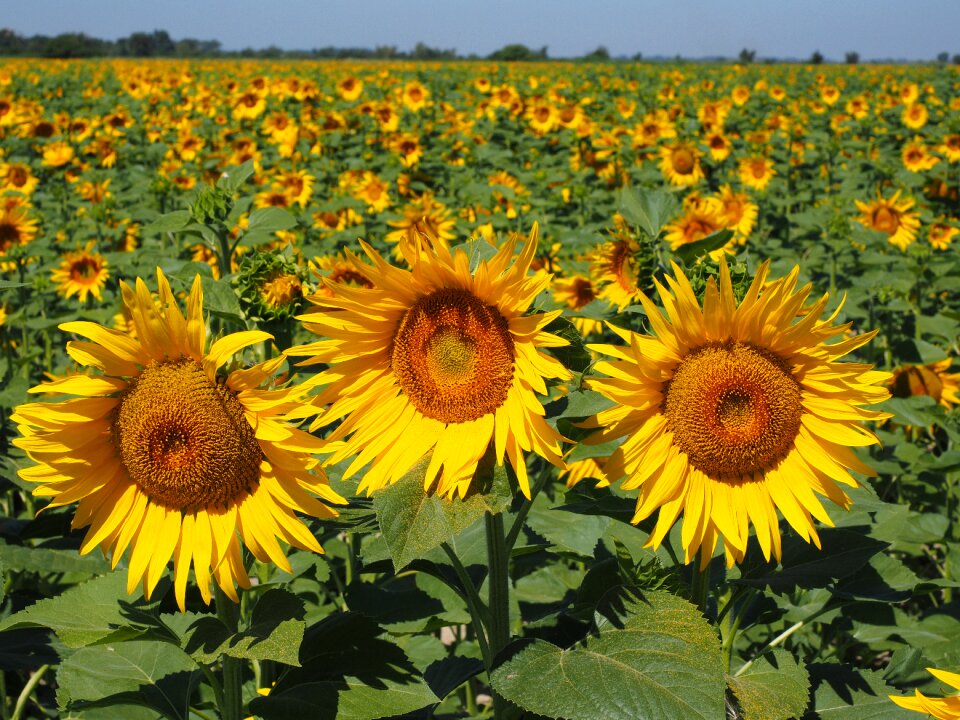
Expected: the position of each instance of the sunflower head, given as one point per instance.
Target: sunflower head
(81, 273)
(270, 285)
(438, 360)
(730, 412)
(170, 458)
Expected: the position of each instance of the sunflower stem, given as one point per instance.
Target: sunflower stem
(498, 585)
(232, 698)
(700, 583)
(478, 612)
(27, 692)
(524, 510)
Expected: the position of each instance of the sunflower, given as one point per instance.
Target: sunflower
(436, 359)
(350, 88)
(916, 157)
(614, 269)
(415, 96)
(17, 177)
(932, 380)
(756, 172)
(718, 144)
(81, 273)
(738, 212)
(730, 413)
(950, 147)
(16, 227)
(335, 270)
(576, 293)
(892, 217)
(945, 708)
(915, 116)
(680, 164)
(168, 459)
(699, 220)
(941, 235)
(57, 154)
(426, 214)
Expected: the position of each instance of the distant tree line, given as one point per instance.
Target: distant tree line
(159, 44)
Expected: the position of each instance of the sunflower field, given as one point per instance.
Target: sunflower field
(561, 390)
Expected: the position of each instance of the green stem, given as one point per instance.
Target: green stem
(27, 692)
(524, 510)
(730, 633)
(214, 683)
(232, 704)
(498, 585)
(478, 612)
(700, 584)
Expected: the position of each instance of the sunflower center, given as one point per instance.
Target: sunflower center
(8, 235)
(886, 220)
(733, 408)
(683, 161)
(453, 356)
(185, 440)
(84, 269)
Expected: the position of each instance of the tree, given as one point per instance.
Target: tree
(852, 58)
(601, 54)
(816, 58)
(943, 58)
(518, 52)
(747, 56)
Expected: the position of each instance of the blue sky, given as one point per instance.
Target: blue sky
(906, 29)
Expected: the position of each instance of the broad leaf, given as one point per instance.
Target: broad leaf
(414, 522)
(775, 687)
(92, 612)
(348, 673)
(153, 674)
(650, 209)
(841, 692)
(663, 663)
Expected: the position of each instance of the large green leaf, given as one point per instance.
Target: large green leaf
(49, 560)
(349, 673)
(92, 612)
(650, 209)
(841, 692)
(842, 553)
(414, 522)
(149, 673)
(274, 633)
(775, 687)
(662, 663)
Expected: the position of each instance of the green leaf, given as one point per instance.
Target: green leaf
(663, 663)
(89, 613)
(574, 356)
(271, 219)
(235, 177)
(219, 298)
(775, 687)
(649, 209)
(7, 285)
(168, 222)
(148, 673)
(804, 565)
(567, 531)
(48, 560)
(841, 692)
(413, 522)
(919, 411)
(275, 632)
(348, 673)
(689, 252)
